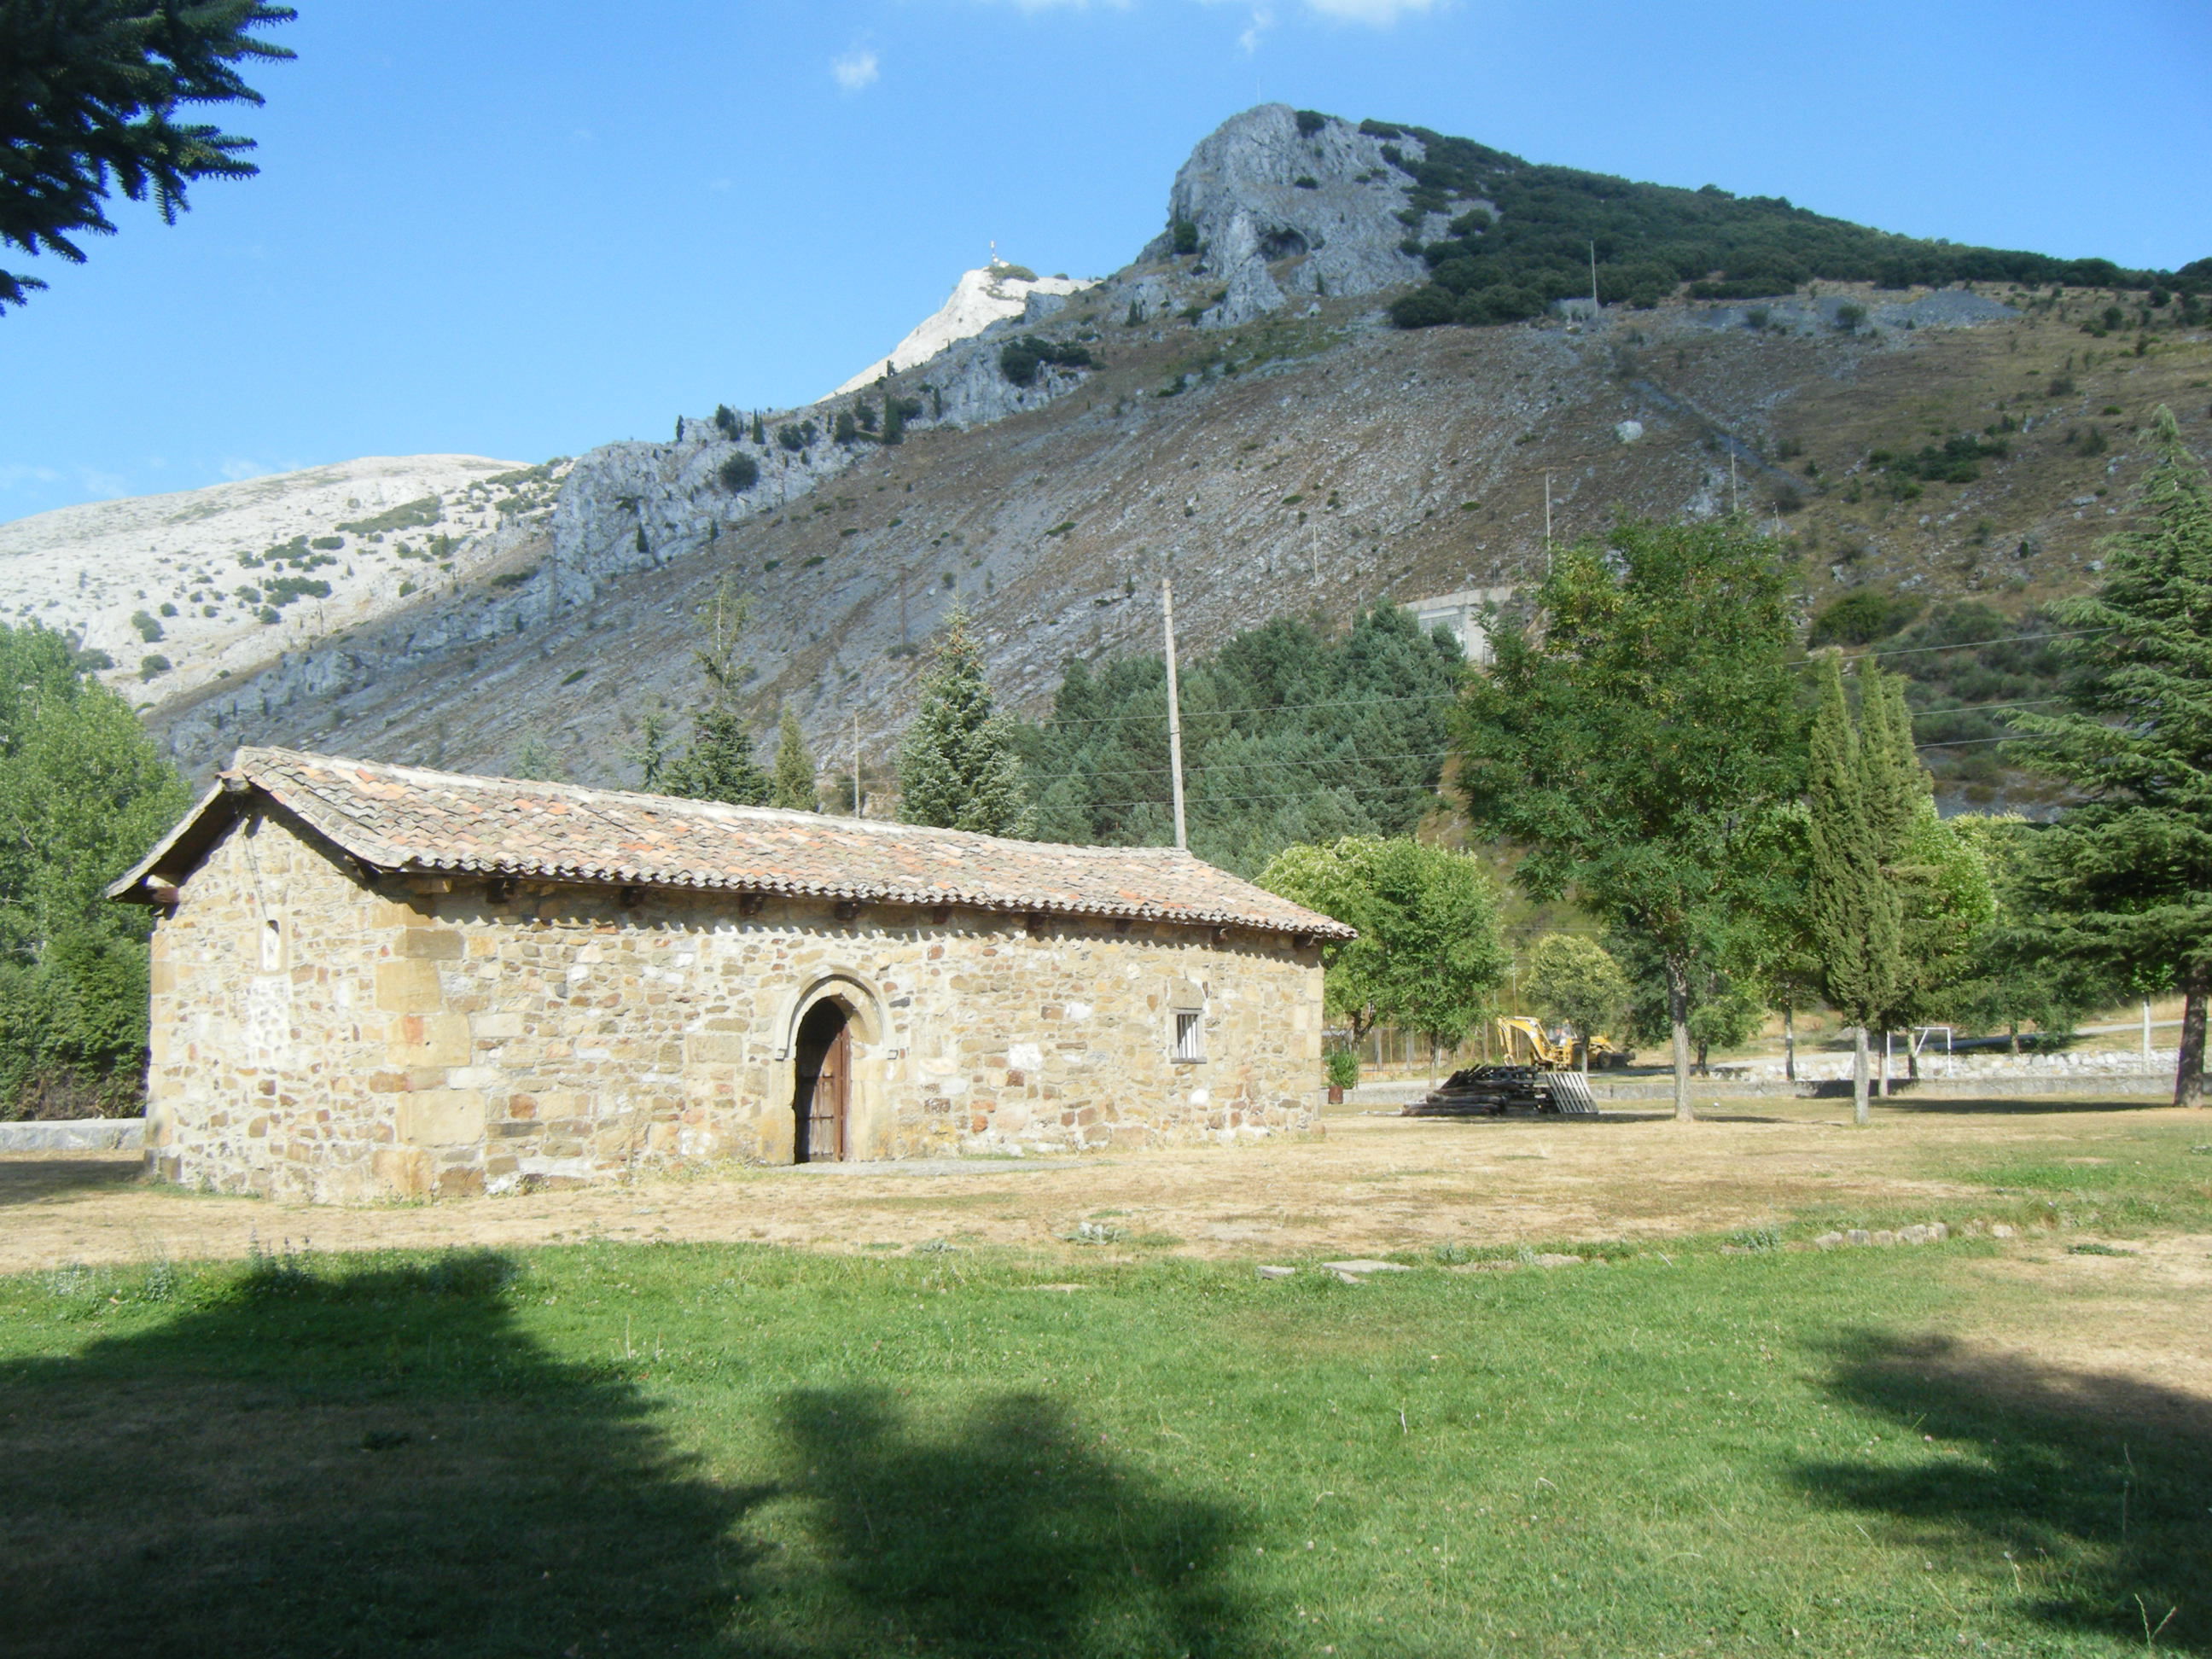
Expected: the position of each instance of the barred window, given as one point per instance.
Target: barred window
(1189, 1034)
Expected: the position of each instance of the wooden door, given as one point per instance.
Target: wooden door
(826, 1123)
(824, 1085)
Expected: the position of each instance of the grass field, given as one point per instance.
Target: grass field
(1714, 1444)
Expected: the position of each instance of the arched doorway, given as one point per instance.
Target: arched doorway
(823, 1092)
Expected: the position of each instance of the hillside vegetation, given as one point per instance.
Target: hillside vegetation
(1525, 235)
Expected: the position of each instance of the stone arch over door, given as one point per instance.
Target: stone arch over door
(875, 1046)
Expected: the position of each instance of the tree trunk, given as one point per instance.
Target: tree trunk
(1884, 1091)
(2014, 1031)
(1860, 1113)
(1678, 1017)
(2189, 1063)
(1789, 1042)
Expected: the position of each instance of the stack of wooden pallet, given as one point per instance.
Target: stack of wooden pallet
(1507, 1091)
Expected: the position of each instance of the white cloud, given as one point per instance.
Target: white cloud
(1262, 21)
(855, 70)
(237, 470)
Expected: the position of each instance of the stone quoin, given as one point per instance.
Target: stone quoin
(373, 980)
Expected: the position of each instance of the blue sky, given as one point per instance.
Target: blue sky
(523, 229)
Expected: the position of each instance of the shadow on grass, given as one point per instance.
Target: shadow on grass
(2096, 1486)
(1002, 1532)
(2017, 1105)
(369, 1457)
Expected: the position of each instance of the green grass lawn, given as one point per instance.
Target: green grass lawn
(725, 1450)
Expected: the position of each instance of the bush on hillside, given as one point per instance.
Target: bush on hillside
(1309, 121)
(1861, 618)
(1728, 247)
(738, 473)
(1184, 236)
(727, 423)
(1019, 360)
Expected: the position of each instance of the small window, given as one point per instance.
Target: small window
(1189, 1034)
(272, 948)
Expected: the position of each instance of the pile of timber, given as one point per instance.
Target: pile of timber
(1507, 1091)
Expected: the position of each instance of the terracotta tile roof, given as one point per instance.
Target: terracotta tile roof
(404, 818)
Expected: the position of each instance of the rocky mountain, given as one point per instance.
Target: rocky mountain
(1236, 409)
(998, 292)
(178, 591)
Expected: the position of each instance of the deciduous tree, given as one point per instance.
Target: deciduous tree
(1630, 740)
(1429, 956)
(1575, 979)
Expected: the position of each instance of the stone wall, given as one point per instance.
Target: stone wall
(425, 1038)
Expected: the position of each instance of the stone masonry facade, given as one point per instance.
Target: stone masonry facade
(318, 1033)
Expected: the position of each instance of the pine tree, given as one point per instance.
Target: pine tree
(795, 768)
(1855, 914)
(2126, 876)
(958, 766)
(760, 430)
(894, 419)
(720, 764)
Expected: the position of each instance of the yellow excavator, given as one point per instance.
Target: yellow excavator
(1523, 1041)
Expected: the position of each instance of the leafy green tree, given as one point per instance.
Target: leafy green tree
(1574, 979)
(959, 766)
(83, 793)
(2124, 877)
(1630, 742)
(90, 91)
(1429, 956)
(794, 785)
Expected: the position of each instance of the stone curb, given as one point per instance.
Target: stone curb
(84, 1134)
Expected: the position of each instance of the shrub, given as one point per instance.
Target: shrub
(1184, 236)
(1425, 307)
(2061, 385)
(791, 438)
(738, 473)
(1018, 360)
(408, 515)
(1861, 618)
(269, 614)
(153, 668)
(846, 430)
(895, 418)
(513, 577)
(727, 423)
(1309, 121)
(865, 413)
(329, 543)
(149, 629)
(285, 589)
(1306, 181)
(1850, 316)
(169, 609)
(249, 597)
(1343, 1068)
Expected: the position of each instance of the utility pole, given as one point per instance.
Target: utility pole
(1548, 524)
(1175, 711)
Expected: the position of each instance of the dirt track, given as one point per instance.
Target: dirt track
(1368, 1184)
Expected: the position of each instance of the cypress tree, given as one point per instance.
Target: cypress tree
(958, 766)
(795, 768)
(1855, 911)
(894, 419)
(760, 430)
(2126, 876)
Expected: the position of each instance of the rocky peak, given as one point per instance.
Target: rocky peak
(990, 294)
(1288, 204)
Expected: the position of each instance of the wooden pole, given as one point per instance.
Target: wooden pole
(1174, 710)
